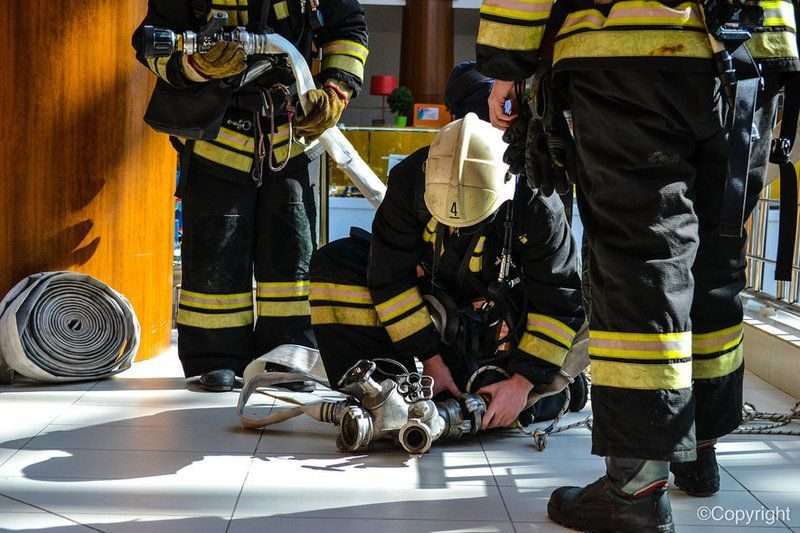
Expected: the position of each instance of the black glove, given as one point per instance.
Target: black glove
(550, 155)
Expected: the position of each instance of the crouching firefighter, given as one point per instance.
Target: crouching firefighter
(477, 281)
(247, 202)
(656, 169)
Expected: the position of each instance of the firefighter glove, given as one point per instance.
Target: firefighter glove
(225, 59)
(325, 108)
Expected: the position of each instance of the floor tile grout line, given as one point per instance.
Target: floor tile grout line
(751, 493)
(40, 508)
(238, 497)
(497, 485)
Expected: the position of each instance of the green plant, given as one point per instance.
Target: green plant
(401, 102)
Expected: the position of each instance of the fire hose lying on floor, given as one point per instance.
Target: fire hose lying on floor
(398, 408)
(64, 326)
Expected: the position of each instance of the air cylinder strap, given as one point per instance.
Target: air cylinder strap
(781, 149)
(740, 139)
(64, 326)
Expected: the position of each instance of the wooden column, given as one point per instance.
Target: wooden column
(427, 49)
(84, 184)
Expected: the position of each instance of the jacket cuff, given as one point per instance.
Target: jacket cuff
(352, 82)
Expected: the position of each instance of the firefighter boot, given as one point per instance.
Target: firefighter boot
(630, 498)
(701, 477)
(221, 380)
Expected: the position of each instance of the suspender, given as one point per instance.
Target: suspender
(781, 149)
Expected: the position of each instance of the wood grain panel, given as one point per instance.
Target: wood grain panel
(427, 49)
(84, 185)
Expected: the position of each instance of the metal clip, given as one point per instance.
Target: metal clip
(781, 150)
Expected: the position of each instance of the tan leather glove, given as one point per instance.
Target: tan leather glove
(326, 108)
(225, 59)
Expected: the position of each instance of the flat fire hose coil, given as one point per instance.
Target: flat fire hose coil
(64, 326)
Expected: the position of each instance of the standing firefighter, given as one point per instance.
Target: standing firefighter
(437, 248)
(248, 205)
(666, 317)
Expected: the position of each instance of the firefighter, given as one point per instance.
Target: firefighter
(666, 315)
(435, 245)
(248, 205)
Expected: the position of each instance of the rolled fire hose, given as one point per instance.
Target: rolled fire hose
(64, 326)
(333, 140)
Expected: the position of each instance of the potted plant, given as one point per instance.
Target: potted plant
(401, 102)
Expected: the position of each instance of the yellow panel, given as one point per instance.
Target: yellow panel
(360, 141)
(375, 146)
(383, 143)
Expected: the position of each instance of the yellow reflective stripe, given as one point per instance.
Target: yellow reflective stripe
(214, 321)
(717, 367)
(540, 348)
(773, 45)
(282, 289)
(345, 47)
(346, 63)
(281, 135)
(717, 341)
(397, 305)
(244, 16)
(429, 233)
(236, 140)
(476, 263)
(335, 292)
(215, 301)
(650, 43)
(653, 346)
(408, 326)
(642, 376)
(509, 36)
(686, 15)
(526, 10)
(480, 245)
(348, 316)
(551, 327)
(778, 13)
(279, 152)
(281, 10)
(223, 156)
(283, 309)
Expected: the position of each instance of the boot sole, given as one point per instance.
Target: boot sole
(556, 516)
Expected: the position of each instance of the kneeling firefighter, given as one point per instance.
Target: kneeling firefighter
(247, 201)
(664, 187)
(464, 269)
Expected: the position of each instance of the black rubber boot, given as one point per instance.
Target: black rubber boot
(603, 508)
(698, 478)
(222, 380)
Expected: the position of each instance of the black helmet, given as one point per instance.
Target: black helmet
(468, 91)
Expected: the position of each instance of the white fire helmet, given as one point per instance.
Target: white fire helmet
(466, 180)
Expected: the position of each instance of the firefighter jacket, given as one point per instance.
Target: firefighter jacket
(582, 34)
(406, 236)
(342, 39)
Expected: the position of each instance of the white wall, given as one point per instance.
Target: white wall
(385, 23)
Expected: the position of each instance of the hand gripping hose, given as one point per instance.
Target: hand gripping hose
(63, 326)
(333, 140)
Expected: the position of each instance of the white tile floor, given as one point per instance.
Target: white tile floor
(140, 453)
